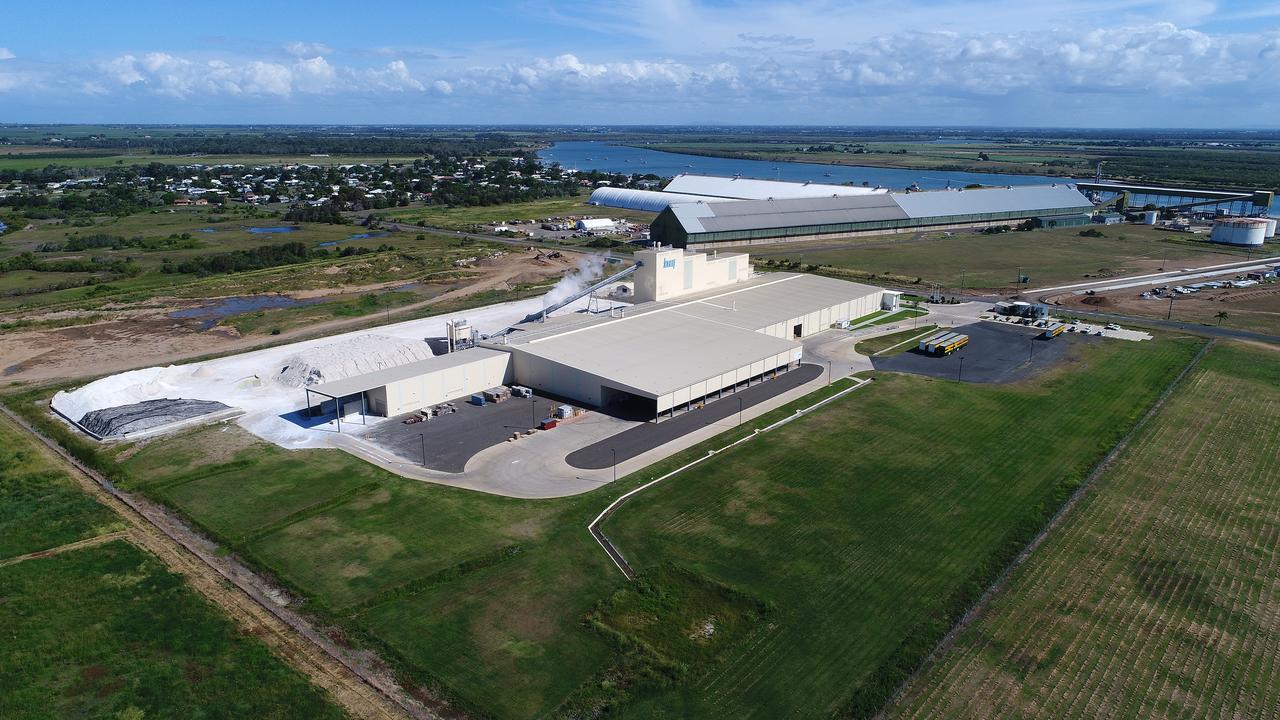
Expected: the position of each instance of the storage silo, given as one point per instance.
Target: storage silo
(1271, 226)
(1149, 217)
(1239, 231)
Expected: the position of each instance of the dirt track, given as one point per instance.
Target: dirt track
(357, 681)
(134, 338)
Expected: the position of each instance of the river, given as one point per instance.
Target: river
(620, 158)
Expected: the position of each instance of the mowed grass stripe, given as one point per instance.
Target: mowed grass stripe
(896, 520)
(1158, 597)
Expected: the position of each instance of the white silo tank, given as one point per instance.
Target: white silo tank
(1149, 217)
(1271, 226)
(1239, 231)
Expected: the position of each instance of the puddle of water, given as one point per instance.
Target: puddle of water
(272, 230)
(207, 230)
(357, 236)
(211, 315)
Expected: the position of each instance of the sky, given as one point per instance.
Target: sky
(1085, 63)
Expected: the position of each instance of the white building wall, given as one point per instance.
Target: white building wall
(443, 385)
(671, 272)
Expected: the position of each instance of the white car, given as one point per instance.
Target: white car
(1113, 326)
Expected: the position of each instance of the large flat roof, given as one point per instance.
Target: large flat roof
(657, 347)
(655, 353)
(711, 216)
(368, 381)
(753, 189)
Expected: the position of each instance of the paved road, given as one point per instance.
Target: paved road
(648, 436)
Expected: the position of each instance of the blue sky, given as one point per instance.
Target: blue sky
(1089, 63)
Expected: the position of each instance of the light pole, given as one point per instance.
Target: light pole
(828, 373)
(533, 409)
(962, 272)
(960, 372)
(615, 463)
(1031, 349)
(422, 438)
(1172, 295)
(739, 411)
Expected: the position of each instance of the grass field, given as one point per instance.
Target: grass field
(1157, 597)
(993, 261)
(105, 631)
(884, 342)
(489, 600)
(467, 218)
(418, 256)
(868, 543)
(40, 507)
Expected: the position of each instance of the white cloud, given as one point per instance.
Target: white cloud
(6, 54)
(180, 77)
(307, 49)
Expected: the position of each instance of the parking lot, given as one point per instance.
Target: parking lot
(996, 353)
(450, 440)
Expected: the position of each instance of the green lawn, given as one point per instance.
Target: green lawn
(884, 342)
(868, 543)
(107, 632)
(856, 542)
(40, 507)
(466, 218)
(1157, 596)
(1047, 257)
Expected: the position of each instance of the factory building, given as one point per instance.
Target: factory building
(708, 188)
(691, 343)
(404, 388)
(703, 325)
(747, 222)
(740, 188)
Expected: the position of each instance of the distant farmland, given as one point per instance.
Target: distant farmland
(1158, 597)
(871, 523)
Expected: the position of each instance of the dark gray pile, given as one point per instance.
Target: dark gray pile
(122, 419)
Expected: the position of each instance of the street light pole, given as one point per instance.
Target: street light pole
(960, 372)
(615, 463)
(739, 411)
(1032, 349)
(828, 373)
(533, 409)
(423, 439)
(1169, 316)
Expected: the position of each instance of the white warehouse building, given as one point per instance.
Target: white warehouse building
(701, 325)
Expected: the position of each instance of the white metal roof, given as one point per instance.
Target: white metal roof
(652, 354)
(647, 200)
(753, 189)
(368, 381)
(657, 347)
(763, 214)
(1027, 198)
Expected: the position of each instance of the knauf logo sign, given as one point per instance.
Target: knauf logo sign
(669, 263)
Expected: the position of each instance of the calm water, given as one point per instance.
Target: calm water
(357, 236)
(619, 158)
(210, 315)
(272, 230)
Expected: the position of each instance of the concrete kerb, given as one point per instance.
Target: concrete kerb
(594, 526)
